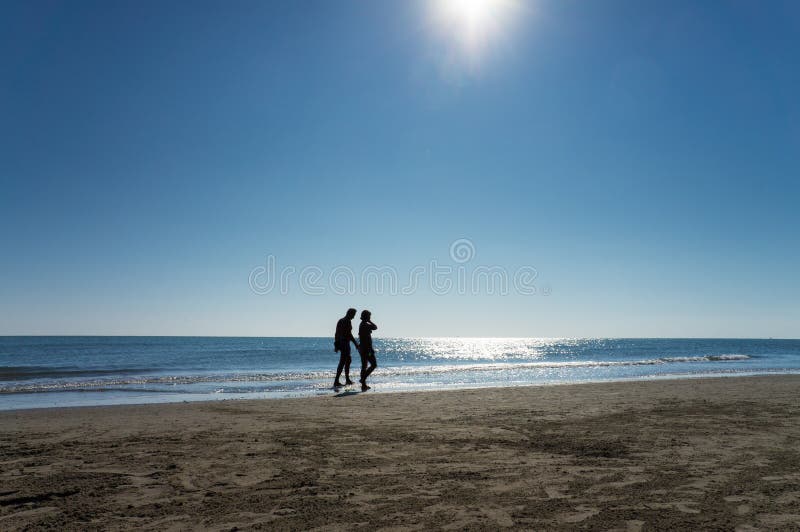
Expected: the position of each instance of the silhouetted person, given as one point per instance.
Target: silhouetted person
(341, 344)
(368, 361)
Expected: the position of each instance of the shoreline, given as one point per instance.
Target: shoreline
(323, 393)
(664, 454)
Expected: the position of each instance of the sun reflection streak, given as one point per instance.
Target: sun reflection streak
(496, 349)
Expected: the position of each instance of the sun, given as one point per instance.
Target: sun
(471, 14)
(473, 24)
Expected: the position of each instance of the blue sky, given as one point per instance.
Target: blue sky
(642, 156)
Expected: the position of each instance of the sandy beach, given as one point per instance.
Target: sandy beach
(683, 454)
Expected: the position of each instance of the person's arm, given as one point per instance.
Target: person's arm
(351, 337)
(373, 326)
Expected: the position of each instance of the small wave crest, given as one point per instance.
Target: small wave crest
(20, 373)
(707, 358)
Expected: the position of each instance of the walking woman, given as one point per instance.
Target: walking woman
(368, 361)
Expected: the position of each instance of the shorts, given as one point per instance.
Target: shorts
(367, 355)
(344, 349)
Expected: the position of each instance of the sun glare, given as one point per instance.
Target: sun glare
(472, 24)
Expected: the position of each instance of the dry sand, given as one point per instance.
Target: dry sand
(688, 454)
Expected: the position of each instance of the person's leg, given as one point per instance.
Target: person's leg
(347, 370)
(363, 366)
(367, 358)
(339, 369)
(373, 363)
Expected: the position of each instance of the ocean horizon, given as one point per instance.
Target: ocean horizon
(61, 371)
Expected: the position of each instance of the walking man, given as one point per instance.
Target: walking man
(341, 344)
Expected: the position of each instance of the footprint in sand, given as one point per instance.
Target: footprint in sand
(555, 493)
(581, 513)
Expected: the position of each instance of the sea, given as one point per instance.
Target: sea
(62, 371)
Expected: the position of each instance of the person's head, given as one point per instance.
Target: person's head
(365, 315)
(351, 313)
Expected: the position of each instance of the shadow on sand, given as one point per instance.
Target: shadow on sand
(347, 393)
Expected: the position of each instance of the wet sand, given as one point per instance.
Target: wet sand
(660, 455)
